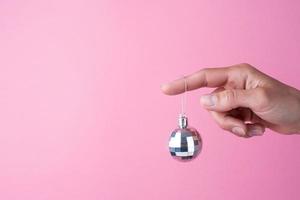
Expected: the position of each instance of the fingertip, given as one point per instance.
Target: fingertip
(255, 129)
(208, 101)
(173, 87)
(229, 123)
(239, 131)
(165, 88)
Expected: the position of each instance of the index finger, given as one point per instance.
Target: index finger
(208, 77)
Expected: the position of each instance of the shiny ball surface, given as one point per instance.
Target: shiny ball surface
(185, 144)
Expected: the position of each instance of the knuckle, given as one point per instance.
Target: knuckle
(220, 121)
(222, 125)
(263, 98)
(225, 123)
(229, 97)
(244, 67)
(203, 71)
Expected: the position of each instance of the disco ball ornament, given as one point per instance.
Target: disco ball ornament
(185, 142)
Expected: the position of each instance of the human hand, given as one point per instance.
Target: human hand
(246, 100)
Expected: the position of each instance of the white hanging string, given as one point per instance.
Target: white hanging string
(183, 98)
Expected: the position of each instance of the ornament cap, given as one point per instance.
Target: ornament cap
(182, 121)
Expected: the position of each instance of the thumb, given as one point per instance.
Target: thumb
(227, 100)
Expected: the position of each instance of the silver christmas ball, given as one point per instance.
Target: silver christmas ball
(185, 142)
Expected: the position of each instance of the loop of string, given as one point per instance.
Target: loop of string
(183, 97)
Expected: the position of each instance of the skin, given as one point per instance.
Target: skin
(245, 101)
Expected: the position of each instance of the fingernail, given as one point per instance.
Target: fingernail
(255, 132)
(208, 100)
(238, 131)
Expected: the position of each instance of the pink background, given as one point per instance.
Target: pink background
(82, 115)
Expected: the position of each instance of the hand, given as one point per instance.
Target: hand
(246, 100)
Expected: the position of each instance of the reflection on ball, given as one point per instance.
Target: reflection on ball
(185, 143)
